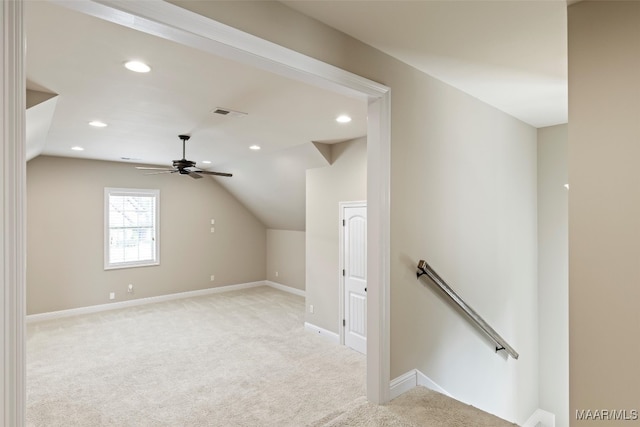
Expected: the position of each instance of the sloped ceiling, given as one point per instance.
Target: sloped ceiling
(262, 176)
(81, 58)
(40, 109)
(510, 54)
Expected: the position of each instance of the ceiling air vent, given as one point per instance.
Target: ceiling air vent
(227, 112)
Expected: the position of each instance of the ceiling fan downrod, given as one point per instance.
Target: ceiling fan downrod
(184, 139)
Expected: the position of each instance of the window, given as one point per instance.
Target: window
(131, 227)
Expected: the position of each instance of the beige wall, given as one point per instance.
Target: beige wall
(344, 181)
(65, 229)
(464, 199)
(604, 206)
(553, 271)
(463, 188)
(286, 258)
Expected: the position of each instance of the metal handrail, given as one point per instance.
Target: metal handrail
(501, 344)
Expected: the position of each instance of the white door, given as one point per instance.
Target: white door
(355, 276)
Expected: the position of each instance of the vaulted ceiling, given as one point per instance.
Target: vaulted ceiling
(510, 54)
(80, 58)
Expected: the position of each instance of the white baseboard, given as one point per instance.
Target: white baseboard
(331, 336)
(403, 383)
(541, 418)
(285, 288)
(411, 379)
(414, 377)
(140, 301)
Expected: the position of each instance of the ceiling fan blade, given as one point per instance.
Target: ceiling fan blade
(184, 166)
(145, 168)
(160, 172)
(215, 173)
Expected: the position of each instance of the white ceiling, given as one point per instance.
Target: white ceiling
(510, 54)
(81, 59)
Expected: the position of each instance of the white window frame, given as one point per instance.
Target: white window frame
(108, 191)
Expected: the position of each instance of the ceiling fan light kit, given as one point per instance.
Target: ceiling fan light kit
(183, 166)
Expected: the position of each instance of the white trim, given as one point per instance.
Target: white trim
(13, 216)
(331, 336)
(177, 24)
(542, 418)
(141, 192)
(403, 383)
(33, 318)
(341, 218)
(411, 379)
(415, 377)
(286, 288)
(379, 249)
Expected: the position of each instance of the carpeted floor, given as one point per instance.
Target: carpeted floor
(419, 407)
(231, 359)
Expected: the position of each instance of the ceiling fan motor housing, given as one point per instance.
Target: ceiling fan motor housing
(183, 164)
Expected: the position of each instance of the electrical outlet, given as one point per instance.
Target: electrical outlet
(213, 277)
(112, 295)
(311, 308)
(130, 288)
(213, 229)
(276, 274)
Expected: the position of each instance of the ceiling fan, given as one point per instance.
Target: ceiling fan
(183, 166)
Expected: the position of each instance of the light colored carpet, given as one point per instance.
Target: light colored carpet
(419, 407)
(232, 359)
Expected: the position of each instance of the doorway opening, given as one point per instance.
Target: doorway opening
(174, 23)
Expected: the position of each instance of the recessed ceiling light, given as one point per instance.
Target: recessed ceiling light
(137, 66)
(97, 124)
(77, 148)
(255, 147)
(206, 162)
(343, 119)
